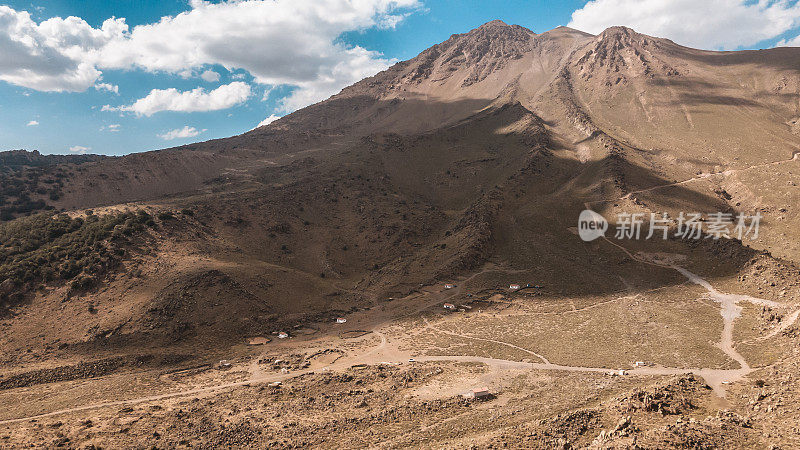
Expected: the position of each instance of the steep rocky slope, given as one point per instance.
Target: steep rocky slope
(416, 173)
(471, 161)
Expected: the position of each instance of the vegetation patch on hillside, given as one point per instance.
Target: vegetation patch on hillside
(50, 248)
(30, 182)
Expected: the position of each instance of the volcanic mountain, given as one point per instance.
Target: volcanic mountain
(484, 147)
(473, 158)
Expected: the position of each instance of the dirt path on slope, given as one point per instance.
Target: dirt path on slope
(380, 353)
(465, 336)
(730, 311)
(704, 176)
(384, 352)
(785, 324)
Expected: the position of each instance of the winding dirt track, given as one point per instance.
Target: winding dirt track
(704, 176)
(716, 378)
(530, 352)
(384, 352)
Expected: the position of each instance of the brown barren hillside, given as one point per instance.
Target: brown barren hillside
(447, 178)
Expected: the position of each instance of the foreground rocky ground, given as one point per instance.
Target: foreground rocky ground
(381, 406)
(396, 375)
(188, 297)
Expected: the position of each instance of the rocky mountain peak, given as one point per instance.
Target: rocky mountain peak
(619, 54)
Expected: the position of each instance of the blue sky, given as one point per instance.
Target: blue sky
(85, 84)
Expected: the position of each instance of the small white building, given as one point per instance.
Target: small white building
(449, 286)
(514, 287)
(283, 335)
(341, 320)
(449, 306)
(477, 393)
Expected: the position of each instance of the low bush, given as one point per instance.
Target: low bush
(44, 248)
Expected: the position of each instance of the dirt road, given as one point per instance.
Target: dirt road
(384, 351)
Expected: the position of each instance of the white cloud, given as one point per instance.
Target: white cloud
(181, 133)
(210, 76)
(33, 123)
(79, 149)
(709, 24)
(358, 64)
(113, 128)
(794, 42)
(296, 40)
(268, 120)
(107, 87)
(54, 55)
(195, 100)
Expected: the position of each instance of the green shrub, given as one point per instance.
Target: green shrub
(44, 248)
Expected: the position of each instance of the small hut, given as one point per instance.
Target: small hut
(477, 393)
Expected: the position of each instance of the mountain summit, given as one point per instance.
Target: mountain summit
(431, 211)
(572, 116)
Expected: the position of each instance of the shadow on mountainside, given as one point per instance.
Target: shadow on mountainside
(382, 214)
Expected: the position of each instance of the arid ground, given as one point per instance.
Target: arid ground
(189, 297)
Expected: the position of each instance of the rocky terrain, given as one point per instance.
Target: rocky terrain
(191, 294)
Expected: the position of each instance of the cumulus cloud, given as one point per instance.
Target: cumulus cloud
(268, 120)
(210, 76)
(358, 64)
(54, 55)
(113, 128)
(794, 42)
(79, 149)
(181, 133)
(195, 100)
(297, 42)
(107, 87)
(708, 24)
(33, 123)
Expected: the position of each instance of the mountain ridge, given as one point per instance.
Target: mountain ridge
(416, 235)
